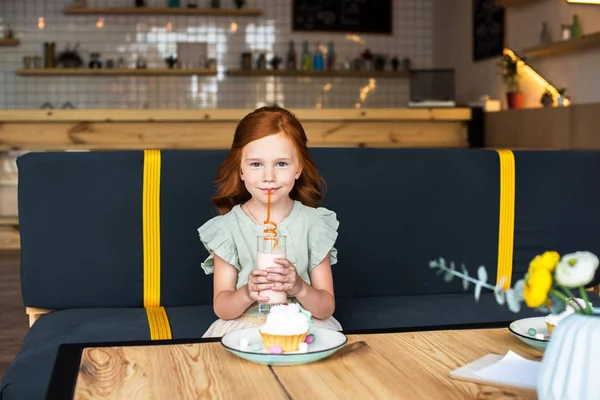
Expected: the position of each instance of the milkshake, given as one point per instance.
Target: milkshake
(268, 249)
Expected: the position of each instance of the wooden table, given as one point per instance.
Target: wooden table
(412, 365)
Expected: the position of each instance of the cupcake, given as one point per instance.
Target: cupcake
(553, 319)
(286, 326)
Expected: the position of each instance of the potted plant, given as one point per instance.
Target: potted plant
(70, 58)
(509, 69)
(547, 99)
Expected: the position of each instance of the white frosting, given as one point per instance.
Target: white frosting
(554, 319)
(285, 320)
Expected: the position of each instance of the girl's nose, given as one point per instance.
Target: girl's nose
(269, 174)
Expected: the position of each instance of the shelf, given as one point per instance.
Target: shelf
(514, 3)
(9, 239)
(330, 74)
(232, 12)
(9, 42)
(9, 221)
(115, 72)
(565, 46)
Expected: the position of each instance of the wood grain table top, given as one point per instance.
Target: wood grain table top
(411, 365)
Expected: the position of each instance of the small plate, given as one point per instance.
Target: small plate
(327, 342)
(521, 327)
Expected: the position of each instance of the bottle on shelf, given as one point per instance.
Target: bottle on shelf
(49, 54)
(575, 27)
(291, 57)
(545, 34)
(306, 59)
(318, 58)
(330, 57)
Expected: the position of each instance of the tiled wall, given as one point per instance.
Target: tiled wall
(155, 38)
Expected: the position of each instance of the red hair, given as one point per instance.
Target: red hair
(258, 124)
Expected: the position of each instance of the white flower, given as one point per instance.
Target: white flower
(576, 269)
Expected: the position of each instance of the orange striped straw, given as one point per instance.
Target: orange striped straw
(273, 230)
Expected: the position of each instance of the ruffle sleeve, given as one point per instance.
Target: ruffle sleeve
(322, 238)
(217, 239)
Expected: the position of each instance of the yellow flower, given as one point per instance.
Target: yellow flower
(537, 286)
(547, 261)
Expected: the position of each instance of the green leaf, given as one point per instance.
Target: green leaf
(499, 292)
(449, 274)
(478, 287)
(500, 297)
(442, 262)
(466, 274)
(512, 300)
(519, 288)
(482, 274)
(556, 305)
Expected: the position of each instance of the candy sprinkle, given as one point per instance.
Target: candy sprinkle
(276, 349)
(531, 332)
(256, 347)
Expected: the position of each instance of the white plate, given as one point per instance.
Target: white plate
(327, 342)
(520, 329)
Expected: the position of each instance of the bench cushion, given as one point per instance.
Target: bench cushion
(427, 311)
(415, 312)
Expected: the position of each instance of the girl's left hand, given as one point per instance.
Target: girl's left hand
(287, 277)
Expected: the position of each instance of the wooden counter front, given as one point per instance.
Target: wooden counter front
(558, 128)
(213, 129)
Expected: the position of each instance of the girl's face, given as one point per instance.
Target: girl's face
(270, 163)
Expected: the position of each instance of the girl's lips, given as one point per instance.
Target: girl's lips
(271, 190)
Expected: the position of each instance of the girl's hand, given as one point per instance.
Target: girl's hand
(285, 277)
(257, 281)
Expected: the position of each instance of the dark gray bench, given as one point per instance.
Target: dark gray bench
(83, 247)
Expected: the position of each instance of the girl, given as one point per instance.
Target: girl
(268, 163)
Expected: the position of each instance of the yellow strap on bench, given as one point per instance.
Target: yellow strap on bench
(157, 316)
(159, 323)
(507, 217)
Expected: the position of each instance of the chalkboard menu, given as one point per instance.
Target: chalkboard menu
(488, 29)
(352, 16)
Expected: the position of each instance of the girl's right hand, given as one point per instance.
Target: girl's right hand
(257, 281)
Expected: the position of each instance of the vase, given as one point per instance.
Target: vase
(571, 362)
(545, 34)
(515, 100)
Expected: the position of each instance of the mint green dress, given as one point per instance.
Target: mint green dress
(310, 235)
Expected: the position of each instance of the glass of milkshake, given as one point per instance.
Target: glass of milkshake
(268, 249)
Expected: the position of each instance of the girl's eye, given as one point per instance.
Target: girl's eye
(255, 164)
(282, 164)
